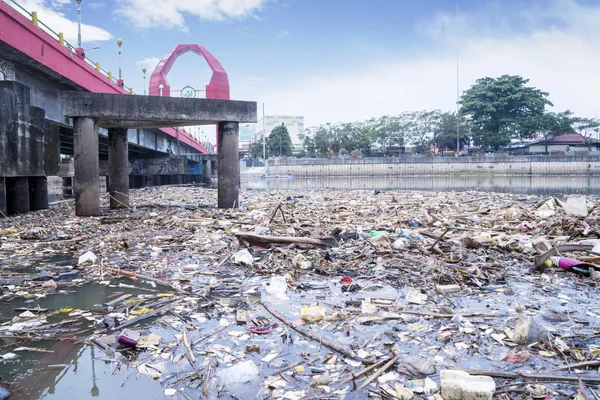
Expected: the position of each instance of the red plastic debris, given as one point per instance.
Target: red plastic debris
(346, 279)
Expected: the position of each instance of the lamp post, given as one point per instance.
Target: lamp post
(78, 22)
(144, 71)
(160, 88)
(120, 81)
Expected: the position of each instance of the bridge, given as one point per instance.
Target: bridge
(38, 69)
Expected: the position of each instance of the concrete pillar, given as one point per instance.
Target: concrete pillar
(38, 192)
(3, 210)
(118, 168)
(87, 167)
(67, 187)
(207, 172)
(229, 165)
(17, 195)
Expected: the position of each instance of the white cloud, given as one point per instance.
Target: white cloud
(556, 49)
(171, 13)
(58, 22)
(148, 62)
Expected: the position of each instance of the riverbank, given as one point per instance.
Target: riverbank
(406, 166)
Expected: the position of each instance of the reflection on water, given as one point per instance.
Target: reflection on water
(70, 369)
(510, 184)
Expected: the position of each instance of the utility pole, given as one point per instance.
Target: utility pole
(264, 135)
(457, 91)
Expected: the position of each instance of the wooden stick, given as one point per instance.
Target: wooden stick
(376, 374)
(364, 371)
(274, 213)
(144, 316)
(436, 315)
(592, 363)
(294, 365)
(439, 238)
(305, 332)
(186, 344)
(542, 377)
(140, 276)
(264, 241)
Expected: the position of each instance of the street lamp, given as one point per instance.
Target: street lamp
(144, 71)
(78, 22)
(160, 88)
(120, 43)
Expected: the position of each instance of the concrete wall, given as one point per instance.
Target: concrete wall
(22, 130)
(517, 165)
(44, 94)
(538, 148)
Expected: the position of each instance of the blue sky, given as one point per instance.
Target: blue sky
(345, 60)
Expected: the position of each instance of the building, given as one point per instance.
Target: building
(244, 136)
(563, 144)
(294, 125)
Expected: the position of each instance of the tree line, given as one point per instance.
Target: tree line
(492, 112)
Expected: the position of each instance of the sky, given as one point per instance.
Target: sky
(348, 60)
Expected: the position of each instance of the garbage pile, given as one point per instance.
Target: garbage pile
(385, 295)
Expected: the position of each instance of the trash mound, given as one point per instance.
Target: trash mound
(389, 295)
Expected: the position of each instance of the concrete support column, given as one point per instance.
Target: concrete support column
(67, 187)
(229, 165)
(17, 195)
(207, 172)
(118, 168)
(38, 192)
(3, 209)
(87, 167)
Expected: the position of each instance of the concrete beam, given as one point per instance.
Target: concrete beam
(87, 168)
(155, 110)
(118, 168)
(229, 165)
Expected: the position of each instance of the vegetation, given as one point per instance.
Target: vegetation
(278, 144)
(493, 112)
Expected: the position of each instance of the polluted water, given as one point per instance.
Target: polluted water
(304, 295)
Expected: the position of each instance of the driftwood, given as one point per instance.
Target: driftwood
(379, 372)
(541, 377)
(364, 371)
(307, 333)
(274, 213)
(591, 363)
(144, 277)
(263, 241)
(437, 315)
(154, 313)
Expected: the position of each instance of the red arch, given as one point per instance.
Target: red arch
(217, 88)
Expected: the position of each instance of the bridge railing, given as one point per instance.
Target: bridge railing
(32, 16)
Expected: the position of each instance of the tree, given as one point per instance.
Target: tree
(421, 125)
(551, 124)
(279, 142)
(309, 146)
(588, 127)
(503, 108)
(256, 149)
(445, 132)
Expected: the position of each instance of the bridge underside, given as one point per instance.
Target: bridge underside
(117, 113)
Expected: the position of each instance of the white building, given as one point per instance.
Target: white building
(294, 125)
